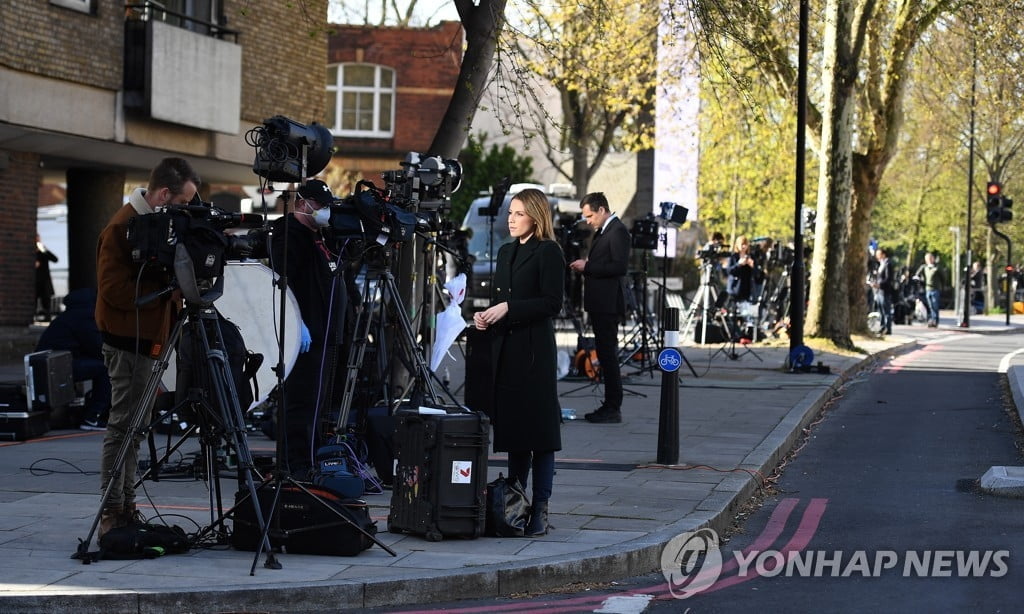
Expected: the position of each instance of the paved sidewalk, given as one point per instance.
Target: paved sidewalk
(613, 509)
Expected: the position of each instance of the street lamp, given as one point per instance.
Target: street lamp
(956, 264)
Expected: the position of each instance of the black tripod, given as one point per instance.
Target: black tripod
(640, 340)
(380, 290)
(733, 329)
(704, 304)
(204, 326)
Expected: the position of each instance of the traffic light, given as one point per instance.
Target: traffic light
(997, 206)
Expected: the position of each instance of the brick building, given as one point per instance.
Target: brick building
(93, 94)
(387, 92)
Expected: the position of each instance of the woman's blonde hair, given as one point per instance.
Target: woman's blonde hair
(538, 209)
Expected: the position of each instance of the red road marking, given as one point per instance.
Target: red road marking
(773, 529)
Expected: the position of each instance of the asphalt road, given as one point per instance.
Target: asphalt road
(888, 475)
(878, 511)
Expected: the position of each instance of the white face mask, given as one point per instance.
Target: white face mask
(322, 217)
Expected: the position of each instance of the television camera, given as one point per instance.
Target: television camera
(569, 232)
(423, 182)
(416, 197)
(190, 241)
(644, 232)
(424, 186)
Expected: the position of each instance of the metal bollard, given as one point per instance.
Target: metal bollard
(669, 359)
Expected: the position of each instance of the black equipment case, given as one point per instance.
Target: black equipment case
(17, 420)
(440, 487)
(49, 379)
(307, 526)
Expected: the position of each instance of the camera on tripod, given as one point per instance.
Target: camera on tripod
(424, 182)
(416, 197)
(710, 252)
(644, 232)
(368, 216)
(569, 232)
(424, 185)
(190, 241)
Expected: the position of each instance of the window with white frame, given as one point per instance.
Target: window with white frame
(361, 100)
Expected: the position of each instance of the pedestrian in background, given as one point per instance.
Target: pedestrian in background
(604, 297)
(934, 279)
(44, 282)
(529, 279)
(885, 288)
(979, 283)
(744, 273)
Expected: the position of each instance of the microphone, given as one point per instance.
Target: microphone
(248, 220)
(152, 296)
(225, 218)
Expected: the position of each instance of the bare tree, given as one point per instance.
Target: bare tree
(483, 23)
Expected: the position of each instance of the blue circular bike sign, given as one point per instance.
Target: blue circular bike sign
(669, 359)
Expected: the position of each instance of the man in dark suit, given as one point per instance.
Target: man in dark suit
(884, 287)
(604, 296)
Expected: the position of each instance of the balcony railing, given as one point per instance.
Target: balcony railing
(157, 11)
(180, 69)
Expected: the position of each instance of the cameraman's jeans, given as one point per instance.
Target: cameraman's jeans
(97, 406)
(933, 306)
(129, 374)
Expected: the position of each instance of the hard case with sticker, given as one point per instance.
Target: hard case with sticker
(440, 483)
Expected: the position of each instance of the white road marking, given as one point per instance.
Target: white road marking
(625, 604)
(1004, 364)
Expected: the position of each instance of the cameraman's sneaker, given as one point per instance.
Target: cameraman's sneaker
(93, 425)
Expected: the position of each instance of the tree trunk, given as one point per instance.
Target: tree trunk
(483, 25)
(866, 180)
(829, 310)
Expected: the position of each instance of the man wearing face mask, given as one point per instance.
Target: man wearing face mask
(133, 335)
(301, 250)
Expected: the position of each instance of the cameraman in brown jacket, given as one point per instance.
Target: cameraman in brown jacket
(133, 335)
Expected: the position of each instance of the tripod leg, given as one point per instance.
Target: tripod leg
(407, 338)
(135, 430)
(226, 401)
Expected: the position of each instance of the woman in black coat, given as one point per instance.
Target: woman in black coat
(528, 284)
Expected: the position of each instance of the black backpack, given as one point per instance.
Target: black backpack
(142, 541)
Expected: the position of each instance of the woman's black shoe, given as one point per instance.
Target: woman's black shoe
(538, 524)
(613, 416)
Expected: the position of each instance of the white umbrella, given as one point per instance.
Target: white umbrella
(449, 323)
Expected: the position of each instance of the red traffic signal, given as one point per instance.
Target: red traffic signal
(995, 196)
(998, 206)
